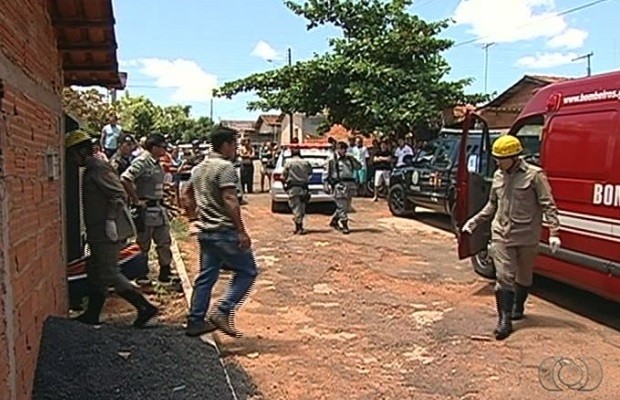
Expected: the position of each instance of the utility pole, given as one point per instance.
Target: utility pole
(486, 65)
(211, 110)
(290, 115)
(588, 57)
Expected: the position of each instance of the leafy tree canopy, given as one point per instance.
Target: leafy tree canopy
(385, 73)
(137, 114)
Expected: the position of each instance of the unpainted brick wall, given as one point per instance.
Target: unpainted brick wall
(33, 272)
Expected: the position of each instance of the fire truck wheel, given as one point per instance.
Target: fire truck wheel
(483, 265)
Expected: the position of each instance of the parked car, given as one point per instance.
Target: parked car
(429, 181)
(318, 156)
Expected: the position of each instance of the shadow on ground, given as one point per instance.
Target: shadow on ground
(581, 302)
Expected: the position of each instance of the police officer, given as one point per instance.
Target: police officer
(121, 160)
(341, 169)
(108, 226)
(144, 183)
(520, 195)
(296, 174)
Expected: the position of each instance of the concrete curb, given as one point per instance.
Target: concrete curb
(187, 291)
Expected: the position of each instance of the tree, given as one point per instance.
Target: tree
(386, 73)
(137, 114)
(89, 106)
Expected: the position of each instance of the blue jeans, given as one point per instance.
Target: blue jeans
(218, 249)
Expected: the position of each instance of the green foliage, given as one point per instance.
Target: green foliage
(137, 114)
(385, 73)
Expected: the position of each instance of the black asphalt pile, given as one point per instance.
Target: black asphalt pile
(82, 362)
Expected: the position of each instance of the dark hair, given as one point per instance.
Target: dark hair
(84, 149)
(343, 145)
(222, 135)
(155, 139)
(331, 140)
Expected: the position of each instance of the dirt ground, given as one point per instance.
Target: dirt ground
(388, 312)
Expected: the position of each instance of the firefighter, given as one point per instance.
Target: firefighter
(341, 179)
(108, 226)
(520, 195)
(144, 183)
(296, 174)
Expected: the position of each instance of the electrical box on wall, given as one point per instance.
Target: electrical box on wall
(52, 164)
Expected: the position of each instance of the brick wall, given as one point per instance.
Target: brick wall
(32, 256)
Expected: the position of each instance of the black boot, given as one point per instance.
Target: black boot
(146, 311)
(334, 223)
(96, 299)
(345, 227)
(521, 293)
(505, 300)
(298, 228)
(165, 274)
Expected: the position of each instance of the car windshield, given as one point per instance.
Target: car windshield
(441, 151)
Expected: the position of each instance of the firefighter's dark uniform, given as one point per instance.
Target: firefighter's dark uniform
(147, 174)
(103, 205)
(517, 202)
(296, 174)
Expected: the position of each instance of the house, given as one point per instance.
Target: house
(503, 110)
(303, 126)
(44, 45)
(267, 129)
(244, 128)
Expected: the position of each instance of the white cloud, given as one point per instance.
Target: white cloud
(571, 38)
(509, 21)
(547, 60)
(265, 51)
(190, 81)
(128, 63)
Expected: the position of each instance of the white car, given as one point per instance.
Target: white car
(317, 155)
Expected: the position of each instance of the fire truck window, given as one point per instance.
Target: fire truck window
(580, 146)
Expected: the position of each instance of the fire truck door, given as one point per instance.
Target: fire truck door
(473, 182)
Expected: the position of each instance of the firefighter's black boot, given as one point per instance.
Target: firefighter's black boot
(345, 227)
(298, 228)
(521, 293)
(505, 298)
(96, 299)
(146, 311)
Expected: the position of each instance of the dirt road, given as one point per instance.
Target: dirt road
(388, 312)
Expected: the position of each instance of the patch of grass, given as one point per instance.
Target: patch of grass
(179, 228)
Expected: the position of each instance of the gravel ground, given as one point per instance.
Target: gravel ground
(81, 362)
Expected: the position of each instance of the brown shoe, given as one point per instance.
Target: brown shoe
(225, 323)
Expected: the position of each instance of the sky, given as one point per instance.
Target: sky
(176, 52)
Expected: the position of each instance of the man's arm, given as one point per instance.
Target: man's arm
(110, 185)
(188, 201)
(356, 164)
(103, 134)
(547, 203)
(128, 178)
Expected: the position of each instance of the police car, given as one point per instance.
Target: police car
(317, 155)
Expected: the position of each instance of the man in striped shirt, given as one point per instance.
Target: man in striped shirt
(223, 238)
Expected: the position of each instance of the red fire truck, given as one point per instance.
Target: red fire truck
(579, 126)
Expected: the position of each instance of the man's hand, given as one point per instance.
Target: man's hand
(110, 230)
(468, 227)
(554, 243)
(245, 243)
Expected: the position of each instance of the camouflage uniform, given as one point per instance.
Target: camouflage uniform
(148, 176)
(341, 178)
(297, 173)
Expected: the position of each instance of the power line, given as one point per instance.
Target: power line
(559, 14)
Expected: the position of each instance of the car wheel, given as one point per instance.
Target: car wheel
(279, 207)
(398, 203)
(483, 264)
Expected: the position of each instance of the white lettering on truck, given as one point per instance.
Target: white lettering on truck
(606, 195)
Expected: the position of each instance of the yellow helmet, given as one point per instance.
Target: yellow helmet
(76, 137)
(506, 146)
